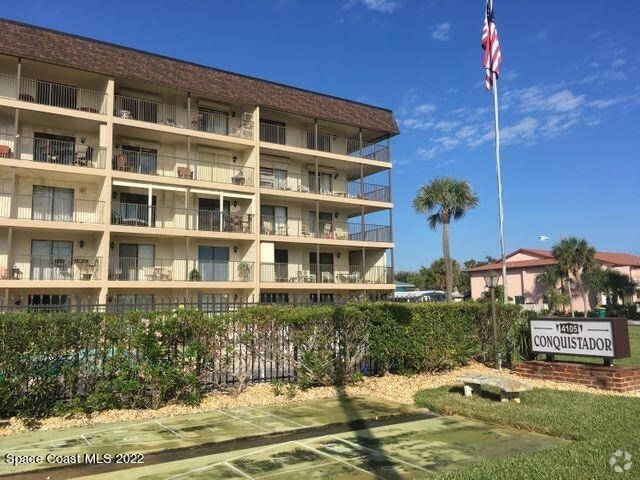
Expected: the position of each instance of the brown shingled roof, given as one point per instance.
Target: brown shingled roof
(41, 44)
(610, 258)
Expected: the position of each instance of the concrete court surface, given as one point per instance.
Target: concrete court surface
(400, 450)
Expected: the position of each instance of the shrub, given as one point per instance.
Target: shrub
(88, 362)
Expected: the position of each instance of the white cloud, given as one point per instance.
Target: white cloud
(425, 109)
(441, 31)
(445, 126)
(417, 124)
(618, 62)
(534, 99)
(384, 6)
(539, 36)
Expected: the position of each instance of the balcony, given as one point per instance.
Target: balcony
(334, 187)
(53, 94)
(148, 163)
(296, 273)
(168, 270)
(351, 147)
(44, 150)
(143, 215)
(51, 208)
(296, 227)
(52, 267)
(240, 126)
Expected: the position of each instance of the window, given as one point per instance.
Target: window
(142, 160)
(214, 121)
(51, 260)
(134, 262)
(273, 178)
(274, 297)
(324, 298)
(213, 302)
(324, 271)
(272, 131)
(519, 299)
(273, 220)
(127, 302)
(281, 267)
(209, 213)
(53, 148)
(133, 209)
(325, 228)
(213, 263)
(49, 302)
(52, 203)
(325, 181)
(56, 94)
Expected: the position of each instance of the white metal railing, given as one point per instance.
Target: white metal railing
(51, 208)
(149, 163)
(142, 215)
(324, 142)
(169, 269)
(324, 273)
(174, 116)
(46, 150)
(52, 267)
(64, 96)
(327, 229)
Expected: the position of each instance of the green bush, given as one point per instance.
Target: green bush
(50, 362)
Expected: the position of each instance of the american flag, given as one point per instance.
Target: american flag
(491, 46)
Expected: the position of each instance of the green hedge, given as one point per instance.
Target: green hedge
(59, 361)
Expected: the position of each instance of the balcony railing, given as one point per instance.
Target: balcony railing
(148, 163)
(53, 94)
(51, 208)
(335, 187)
(295, 227)
(159, 113)
(143, 215)
(294, 137)
(216, 221)
(166, 270)
(324, 273)
(52, 267)
(45, 150)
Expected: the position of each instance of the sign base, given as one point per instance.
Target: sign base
(615, 378)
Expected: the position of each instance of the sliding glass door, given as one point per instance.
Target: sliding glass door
(213, 263)
(52, 203)
(51, 260)
(135, 260)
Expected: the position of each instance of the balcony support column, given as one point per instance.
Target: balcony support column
(188, 107)
(364, 259)
(221, 210)
(9, 261)
(186, 257)
(362, 233)
(149, 206)
(16, 116)
(187, 221)
(361, 180)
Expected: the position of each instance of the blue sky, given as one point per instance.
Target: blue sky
(569, 91)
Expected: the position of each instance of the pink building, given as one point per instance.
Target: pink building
(524, 265)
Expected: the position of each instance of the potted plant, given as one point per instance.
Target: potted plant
(194, 275)
(244, 271)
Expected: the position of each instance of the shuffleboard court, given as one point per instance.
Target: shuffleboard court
(404, 451)
(347, 438)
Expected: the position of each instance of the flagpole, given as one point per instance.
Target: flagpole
(499, 179)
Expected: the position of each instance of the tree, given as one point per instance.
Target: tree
(613, 284)
(445, 199)
(574, 256)
(549, 279)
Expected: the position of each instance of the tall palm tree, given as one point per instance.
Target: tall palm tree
(574, 256)
(445, 199)
(549, 279)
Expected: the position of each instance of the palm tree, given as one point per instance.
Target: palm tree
(574, 256)
(444, 199)
(549, 279)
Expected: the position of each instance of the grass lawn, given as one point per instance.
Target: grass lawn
(598, 424)
(634, 359)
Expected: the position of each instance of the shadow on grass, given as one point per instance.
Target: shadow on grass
(484, 393)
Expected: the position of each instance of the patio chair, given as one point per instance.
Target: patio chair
(5, 151)
(327, 277)
(340, 234)
(122, 163)
(82, 154)
(185, 172)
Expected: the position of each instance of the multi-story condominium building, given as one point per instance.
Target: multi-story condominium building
(132, 178)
